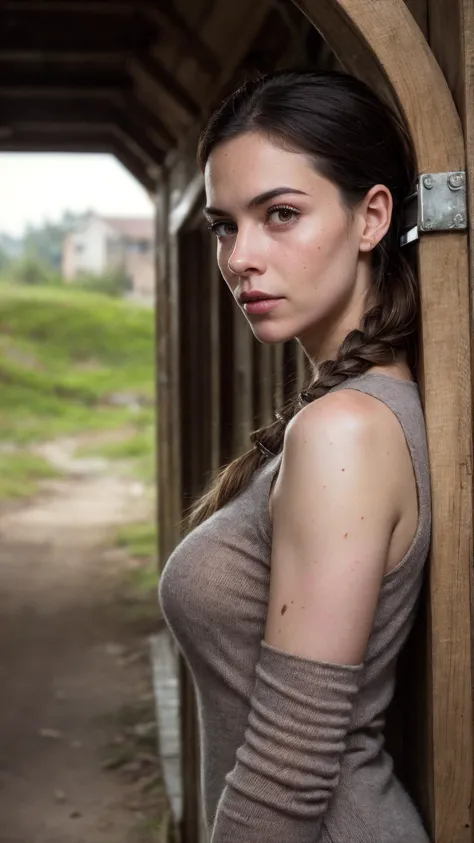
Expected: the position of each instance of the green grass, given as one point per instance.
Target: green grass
(140, 443)
(64, 356)
(21, 473)
(139, 539)
(68, 360)
(140, 542)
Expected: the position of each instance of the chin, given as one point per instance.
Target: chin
(271, 333)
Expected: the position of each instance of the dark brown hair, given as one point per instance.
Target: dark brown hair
(355, 140)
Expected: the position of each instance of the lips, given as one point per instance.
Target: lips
(259, 304)
(255, 295)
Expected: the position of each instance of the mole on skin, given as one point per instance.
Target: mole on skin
(283, 609)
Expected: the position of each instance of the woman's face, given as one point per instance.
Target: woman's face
(295, 260)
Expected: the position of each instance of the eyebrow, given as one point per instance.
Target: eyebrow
(258, 200)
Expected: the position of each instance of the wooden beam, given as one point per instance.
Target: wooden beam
(135, 136)
(187, 205)
(44, 113)
(167, 17)
(451, 36)
(31, 109)
(165, 80)
(242, 374)
(168, 415)
(97, 7)
(370, 37)
(24, 140)
(100, 141)
(135, 165)
(58, 57)
(248, 27)
(69, 92)
(137, 110)
(215, 362)
(263, 384)
(55, 76)
(67, 31)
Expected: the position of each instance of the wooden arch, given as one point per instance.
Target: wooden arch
(379, 41)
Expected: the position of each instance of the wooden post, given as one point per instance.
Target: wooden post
(215, 283)
(263, 385)
(370, 37)
(226, 379)
(243, 393)
(168, 407)
(278, 377)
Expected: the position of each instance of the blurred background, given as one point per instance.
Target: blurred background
(78, 739)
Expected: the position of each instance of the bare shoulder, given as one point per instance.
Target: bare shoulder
(345, 418)
(348, 442)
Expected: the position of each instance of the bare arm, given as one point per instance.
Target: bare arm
(334, 512)
(335, 507)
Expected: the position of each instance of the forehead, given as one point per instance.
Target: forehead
(251, 164)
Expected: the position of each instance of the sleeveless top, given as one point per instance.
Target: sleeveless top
(214, 594)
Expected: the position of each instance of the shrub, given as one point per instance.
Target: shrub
(114, 283)
(30, 271)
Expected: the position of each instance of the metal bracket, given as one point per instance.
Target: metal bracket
(439, 204)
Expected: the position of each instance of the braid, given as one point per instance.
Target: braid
(386, 330)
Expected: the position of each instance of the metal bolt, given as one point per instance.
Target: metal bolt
(455, 181)
(459, 220)
(428, 182)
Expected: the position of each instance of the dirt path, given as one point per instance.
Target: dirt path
(71, 664)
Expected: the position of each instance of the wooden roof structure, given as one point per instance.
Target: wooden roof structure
(130, 77)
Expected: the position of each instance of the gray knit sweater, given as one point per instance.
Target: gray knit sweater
(292, 750)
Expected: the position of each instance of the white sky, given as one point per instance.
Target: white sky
(40, 186)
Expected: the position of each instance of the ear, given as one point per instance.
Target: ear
(376, 213)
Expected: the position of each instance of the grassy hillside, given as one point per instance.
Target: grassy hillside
(71, 361)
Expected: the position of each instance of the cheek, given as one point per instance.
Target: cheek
(323, 248)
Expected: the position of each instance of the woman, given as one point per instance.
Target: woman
(294, 593)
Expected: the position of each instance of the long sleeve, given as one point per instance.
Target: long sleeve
(289, 764)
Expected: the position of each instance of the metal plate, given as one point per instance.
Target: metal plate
(442, 202)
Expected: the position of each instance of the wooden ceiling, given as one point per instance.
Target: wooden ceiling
(132, 78)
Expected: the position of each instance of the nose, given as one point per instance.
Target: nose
(246, 257)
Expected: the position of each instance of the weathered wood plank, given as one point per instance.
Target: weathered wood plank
(451, 37)
(264, 377)
(278, 376)
(165, 395)
(243, 370)
(215, 362)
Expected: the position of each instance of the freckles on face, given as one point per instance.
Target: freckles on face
(296, 245)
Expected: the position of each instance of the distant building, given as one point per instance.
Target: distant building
(101, 244)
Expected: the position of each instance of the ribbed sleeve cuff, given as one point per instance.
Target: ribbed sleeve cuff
(289, 764)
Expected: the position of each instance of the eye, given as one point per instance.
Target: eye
(222, 228)
(282, 215)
